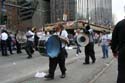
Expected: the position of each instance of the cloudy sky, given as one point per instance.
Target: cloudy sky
(118, 9)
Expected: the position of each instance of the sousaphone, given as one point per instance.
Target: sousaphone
(82, 39)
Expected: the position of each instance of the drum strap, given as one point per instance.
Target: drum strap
(62, 49)
(60, 33)
(60, 40)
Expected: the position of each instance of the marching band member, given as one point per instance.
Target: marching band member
(89, 49)
(36, 39)
(29, 43)
(60, 59)
(4, 37)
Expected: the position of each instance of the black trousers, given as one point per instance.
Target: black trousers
(121, 66)
(4, 47)
(36, 45)
(29, 48)
(89, 52)
(18, 45)
(9, 46)
(58, 60)
(78, 50)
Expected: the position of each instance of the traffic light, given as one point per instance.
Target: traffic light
(26, 11)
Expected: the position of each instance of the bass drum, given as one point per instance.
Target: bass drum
(53, 46)
(42, 48)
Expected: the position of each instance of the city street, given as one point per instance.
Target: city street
(110, 75)
(17, 69)
(29, 23)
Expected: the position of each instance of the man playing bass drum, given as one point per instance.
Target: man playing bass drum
(60, 59)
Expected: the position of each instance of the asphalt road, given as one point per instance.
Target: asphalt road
(17, 69)
(110, 75)
(79, 73)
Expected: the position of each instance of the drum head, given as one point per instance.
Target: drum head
(53, 46)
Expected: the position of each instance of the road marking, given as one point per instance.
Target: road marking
(101, 72)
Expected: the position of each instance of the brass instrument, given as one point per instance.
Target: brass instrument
(82, 39)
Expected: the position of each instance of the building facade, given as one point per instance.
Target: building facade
(50, 11)
(40, 13)
(22, 13)
(10, 13)
(59, 8)
(96, 11)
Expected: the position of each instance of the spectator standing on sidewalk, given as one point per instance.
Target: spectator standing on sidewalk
(118, 49)
(104, 42)
(18, 41)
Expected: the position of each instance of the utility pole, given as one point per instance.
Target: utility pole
(124, 11)
(88, 11)
(2, 10)
(76, 14)
(65, 11)
(95, 13)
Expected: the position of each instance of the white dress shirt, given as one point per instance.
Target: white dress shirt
(63, 35)
(4, 36)
(30, 33)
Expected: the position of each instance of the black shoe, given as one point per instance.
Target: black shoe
(11, 53)
(32, 51)
(49, 76)
(19, 52)
(63, 76)
(103, 57)
(6, 55)
(85, 63)
(29, 57)
(93, 61)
